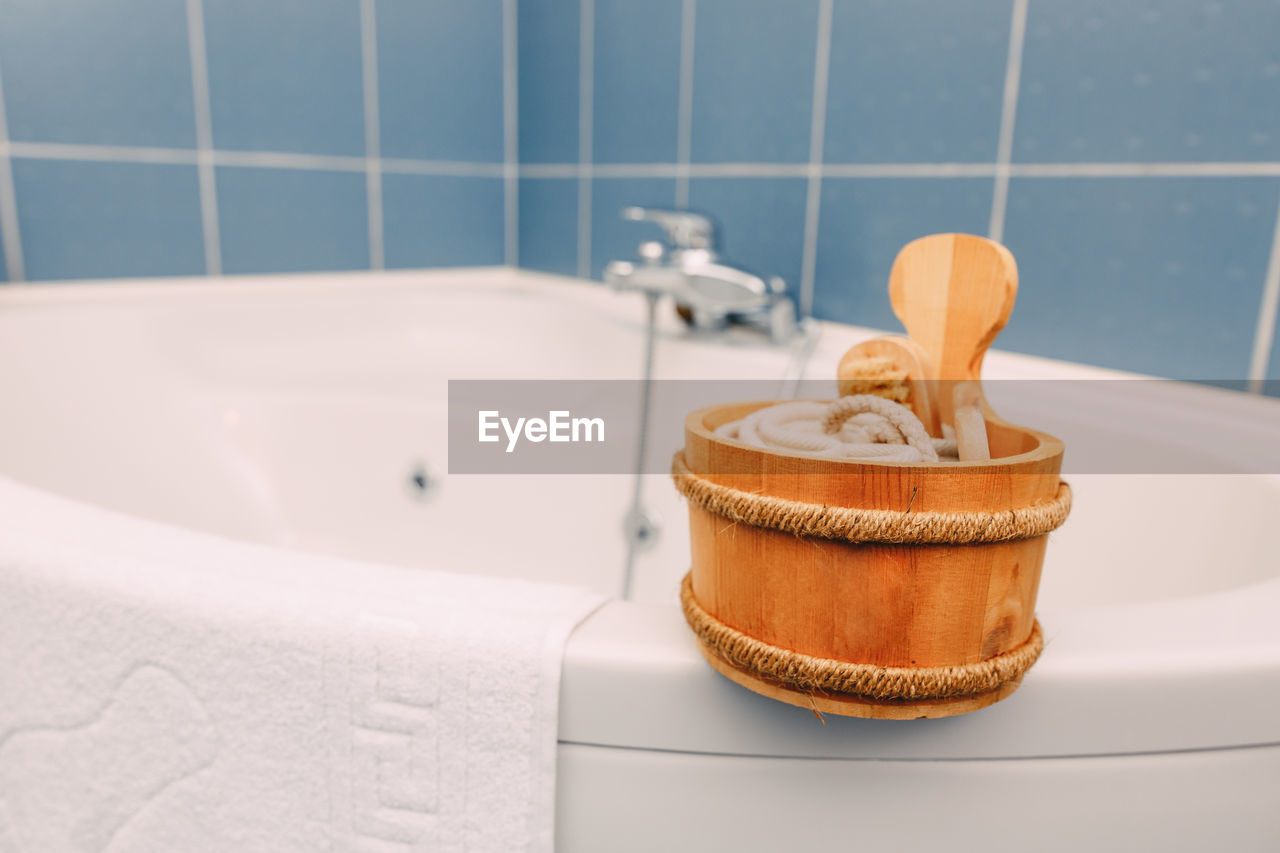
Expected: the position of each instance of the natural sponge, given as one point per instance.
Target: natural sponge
(895, 368)
(877, 374)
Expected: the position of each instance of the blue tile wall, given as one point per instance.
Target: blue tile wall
(98, 220)
(284, 83)
(636, 81)
(440, 79)
(863, 224)
(549, 225)
(753, 105)
(285, 75)
(442, 221)
(292, 220)
(1140, 193)
(73, 72)
(916, 81)
(1150, 80)
(1156, 275)
(549, 65)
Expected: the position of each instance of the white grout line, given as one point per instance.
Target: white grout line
(664, 170)
(757, 170)
(1008, 115)
(372, 131)
(684, 122)
(10, 236)
(254, 159)
(1264, 337)
(632, 170)
(860, 170)
(908, 170)
(443, 167)
(341, 163)
(204, 138)
(103, 153)
(510, 134)
(586, 119)
(286, 160)
(550, 170)
(1145, 170)
(749, 170)
(373, 196)
(817, 130)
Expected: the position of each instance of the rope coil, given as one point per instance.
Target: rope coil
(862, 426)
(851, 524)
(884, 683)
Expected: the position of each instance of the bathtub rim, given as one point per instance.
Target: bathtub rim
(1183, 674)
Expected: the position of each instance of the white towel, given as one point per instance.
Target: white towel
(162, 690)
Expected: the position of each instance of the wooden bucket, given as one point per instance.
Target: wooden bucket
(884, 605)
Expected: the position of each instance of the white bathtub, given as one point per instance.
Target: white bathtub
(295, 411)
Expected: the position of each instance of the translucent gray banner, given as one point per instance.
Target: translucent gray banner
(1141, 426)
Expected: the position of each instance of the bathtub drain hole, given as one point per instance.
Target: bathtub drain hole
(422, 483)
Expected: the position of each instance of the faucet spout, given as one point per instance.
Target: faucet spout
(711, 294)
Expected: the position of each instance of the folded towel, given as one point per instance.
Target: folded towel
(163, 690)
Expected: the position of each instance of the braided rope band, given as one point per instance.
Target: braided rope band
(871, 525)
(883, 683)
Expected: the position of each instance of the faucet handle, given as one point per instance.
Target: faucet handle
(684, 230)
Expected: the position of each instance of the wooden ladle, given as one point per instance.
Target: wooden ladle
(953, 294)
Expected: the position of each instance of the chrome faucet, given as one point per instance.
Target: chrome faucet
(708, 293)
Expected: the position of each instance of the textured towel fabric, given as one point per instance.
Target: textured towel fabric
(162, 690)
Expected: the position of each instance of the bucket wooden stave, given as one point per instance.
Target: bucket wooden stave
(886, 605)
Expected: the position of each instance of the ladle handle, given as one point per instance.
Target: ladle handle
(953, 293)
